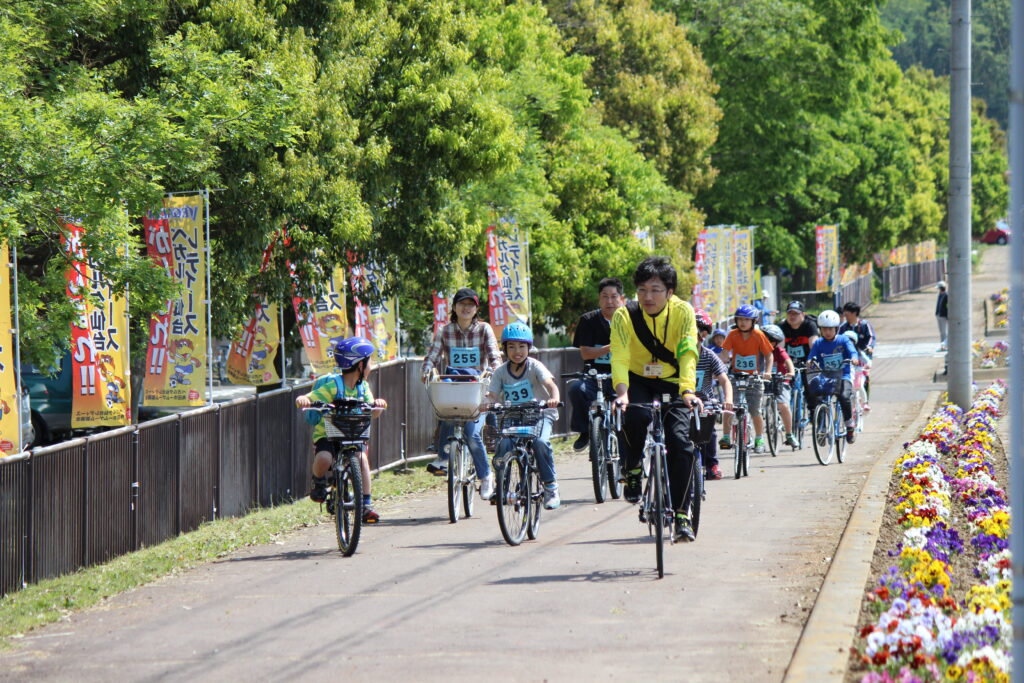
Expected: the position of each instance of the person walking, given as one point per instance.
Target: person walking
(942, 313)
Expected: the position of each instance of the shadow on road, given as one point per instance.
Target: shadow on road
(600, 576)
(286, 556)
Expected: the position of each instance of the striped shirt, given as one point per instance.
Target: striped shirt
(479, 336)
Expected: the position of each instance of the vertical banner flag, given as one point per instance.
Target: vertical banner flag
(698, 270)
(727, 274)
(251, 359)
(323, 322)
(826, 257)
(377, 322)
(101, 394)
(711, 292)
(513, 267)
(441, 312)
(176, 357)
(743, 265)
(496, 307)
(10, 406)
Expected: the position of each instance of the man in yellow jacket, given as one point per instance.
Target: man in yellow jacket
(654, 356)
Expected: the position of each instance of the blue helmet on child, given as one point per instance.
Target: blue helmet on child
(348, 352)
(746, 311)
(517, 331)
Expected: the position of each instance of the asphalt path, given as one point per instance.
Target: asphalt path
(427, 599)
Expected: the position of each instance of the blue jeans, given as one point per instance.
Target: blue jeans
(541, 450)
(473, 437)
(582, 393)
(709, 450)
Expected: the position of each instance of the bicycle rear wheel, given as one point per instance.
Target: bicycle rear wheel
(468, 488)
(822, 434)
(739, 442)
(614, 465)
(697, 496)
(348, 503)
(536, 489)
(772, 422)
(658, 511)
(513, 499)
(860, 398)
(456, 471)
(840, 430)
(798, 410)
(598, 464)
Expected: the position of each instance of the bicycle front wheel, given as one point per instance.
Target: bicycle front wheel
(614, 465)
(348, 503)
(658, 511)
(821, 433)
(536, 490)
(456, 469)
(468, 489)
(840, 430)
(772, 421)
(697, 496)
(739, 443)
(798, 417)
(598, 458)
(513, 499)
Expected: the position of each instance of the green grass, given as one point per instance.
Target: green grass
(50, 600)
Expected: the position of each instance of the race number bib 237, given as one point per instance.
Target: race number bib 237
(796, 351)
(746, 363)
(518, 392)
(465, 357)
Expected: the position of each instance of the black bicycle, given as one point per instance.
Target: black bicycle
(773, 426)
(346, 425)
(741, 425)
(604, 425)
(519, 492)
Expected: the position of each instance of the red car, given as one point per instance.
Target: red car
(997, 235)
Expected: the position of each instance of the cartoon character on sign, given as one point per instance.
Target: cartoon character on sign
(115, 385)
(379, 335)
(184, 363)
(4, 408)
(261, 349)
(332, 327)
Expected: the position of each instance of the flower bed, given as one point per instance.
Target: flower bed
(990, 356)
(928, 619)
(1000, 303)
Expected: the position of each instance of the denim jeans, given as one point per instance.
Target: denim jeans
(473, 437)
(541, 450)
(582, 393)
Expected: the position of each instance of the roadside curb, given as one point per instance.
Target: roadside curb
(823, 651)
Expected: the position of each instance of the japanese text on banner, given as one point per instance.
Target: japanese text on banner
(101, 394)
(743, 265)
(251, 359)
(10, 406)
(727, 276)
(513, 269)
(323, 323)
(441, 312)
(378, 321)
(826, 257)
(176, 357)
(711, 285)
(698, 270)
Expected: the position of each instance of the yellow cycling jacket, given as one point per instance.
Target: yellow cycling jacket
(675, 327)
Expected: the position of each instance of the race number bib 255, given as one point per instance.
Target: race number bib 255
(465, 357)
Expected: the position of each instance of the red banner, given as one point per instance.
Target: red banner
(698, 270)
(83, 357)
(441, 312)
(495, 293)
(158, 245)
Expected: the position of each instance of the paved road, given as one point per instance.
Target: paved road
(426, 599)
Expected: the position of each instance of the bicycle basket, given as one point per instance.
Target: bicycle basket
(520, 424)
(456, 400)
(707, 428)
(822, 382)
(347, 426)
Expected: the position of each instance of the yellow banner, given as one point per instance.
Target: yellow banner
(726, 274)
(711, 290)
(924, 251)
(176, 358)
(513, 268)
(10, 406)
(251, 359)
(101, 393)
(324, 324)
(743, 265)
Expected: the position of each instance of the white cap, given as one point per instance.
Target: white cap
(941, 284)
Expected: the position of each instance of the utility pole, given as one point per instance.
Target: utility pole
(958, 353)
(1017, 329)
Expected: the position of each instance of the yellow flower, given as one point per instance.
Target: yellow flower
(954, 672)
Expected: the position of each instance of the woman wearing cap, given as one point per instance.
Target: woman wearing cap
(466, 345)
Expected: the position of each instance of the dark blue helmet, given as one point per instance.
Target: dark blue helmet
(746, 311)
(348, 352)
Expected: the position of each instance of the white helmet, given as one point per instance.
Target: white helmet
(852, 336)
(828, 319)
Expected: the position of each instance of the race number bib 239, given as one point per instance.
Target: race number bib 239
(518, 392)
(465, 357)
(746, 363)
(833, 361)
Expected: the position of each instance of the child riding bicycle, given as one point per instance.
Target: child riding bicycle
(352, 357)
(829, 353)
(520, 380)
(751, 354)
(784, 365)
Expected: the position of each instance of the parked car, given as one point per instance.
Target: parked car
(28, 430)
(997, 235)
(50, 394)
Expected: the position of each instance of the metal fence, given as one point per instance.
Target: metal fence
(858, 291)
(911, 277)
(88, 500)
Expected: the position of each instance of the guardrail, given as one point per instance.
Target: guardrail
(858, 291)
(85, 501)
(911, 277)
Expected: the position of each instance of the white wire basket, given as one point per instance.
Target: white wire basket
(456, 400)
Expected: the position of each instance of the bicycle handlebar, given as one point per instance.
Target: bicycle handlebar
(590, 373)
(342, 403)
(536, 404)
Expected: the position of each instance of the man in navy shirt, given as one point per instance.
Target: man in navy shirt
(593, 338)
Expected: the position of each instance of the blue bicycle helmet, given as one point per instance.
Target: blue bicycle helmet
(517, 332)
(746, 311)
(348, 352)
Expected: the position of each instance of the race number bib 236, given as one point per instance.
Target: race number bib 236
(518, 392)
(746, 363)
(465, 357)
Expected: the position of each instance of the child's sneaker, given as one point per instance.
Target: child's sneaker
(438, 466)
(551, 498)
(725, 442)
(318, 492)
(370, 515)
(759, 444)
